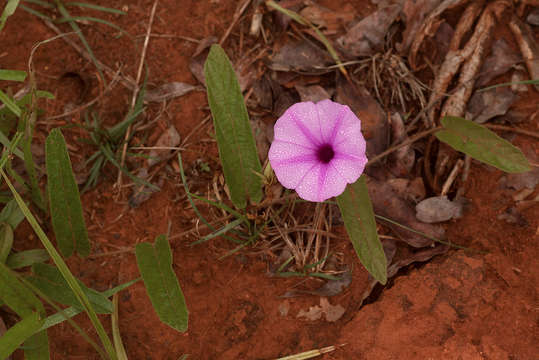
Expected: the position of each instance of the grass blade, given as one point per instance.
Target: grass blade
(358, 216)
(10, 104)
(50, 282)
(26, 258)
(9, 10)
(96, 7)
(12, 75)
(482, 144)
(18, 333)
(6, 241)
(116, 336)
(155, 265)
(63, 315)
(65, 205)
(231, 225)
(235, 139)
(62, 267)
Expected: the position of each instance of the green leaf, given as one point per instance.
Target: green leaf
(10, 104)
(49, 280)
(17, 296)
(66, 208)
(155, 266)
(9, 10)
(12, 214)
(482, 144)
(235, 140)
(60, 317)
(12, 75)
(23, 301)
(18, 333)
(26, 258)
(358, 216)
(62, 267)
(6, 241)
(37, 346)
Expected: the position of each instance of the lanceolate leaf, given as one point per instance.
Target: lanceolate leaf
(358, 216)
(50, 282)
(482, 144)
(66, 209)
(155, 266)
(21, 300)
(18, 333)
(235, 140)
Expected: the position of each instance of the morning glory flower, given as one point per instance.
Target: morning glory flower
(318, 149)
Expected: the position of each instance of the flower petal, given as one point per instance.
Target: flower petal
(350, 141)
(349, 168)
(281, 150)
(290, 162)
(299, 124)
(321, 183)
(331, 116)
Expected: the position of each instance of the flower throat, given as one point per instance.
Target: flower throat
(325, 153)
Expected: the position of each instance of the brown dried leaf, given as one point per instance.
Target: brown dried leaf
(312, 93)
(415, 12)
(168, 91)
(168, 139)
(367, 37)
(402, 160)
(409, 190)
(387, 203)
(374, 123)
(428, 28)
(328, 19)
(438, 209)
(314, 313)
(533, 17)
(300, 56)
(486, 105)
(500, 60)
(528, 46)
(331, 312)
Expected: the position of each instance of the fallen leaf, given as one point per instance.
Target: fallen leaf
(513, 216)
(168, 91)
(168, 139)
(332, 312)
(312, 93)
(367, 37)
(314, 313)
(334, 287)
(374, 122)
(437, 209)
(414, 14)
(502, 57)
(528, 179)
(387, 203)
(533, 17)
(328, 19)
(300, 56)
(411, 190)
(486, 105)
(400, 162)
(528, 46)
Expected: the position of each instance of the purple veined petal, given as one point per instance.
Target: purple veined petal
(348, 126)
(350, 141)
(290, 162)
(331, 115)
(299, 124)
(281, 150)
(348, 167)
(321, 183)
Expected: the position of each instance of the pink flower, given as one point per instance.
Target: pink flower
(318, 149)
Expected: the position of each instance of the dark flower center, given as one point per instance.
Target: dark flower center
(325, 153)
